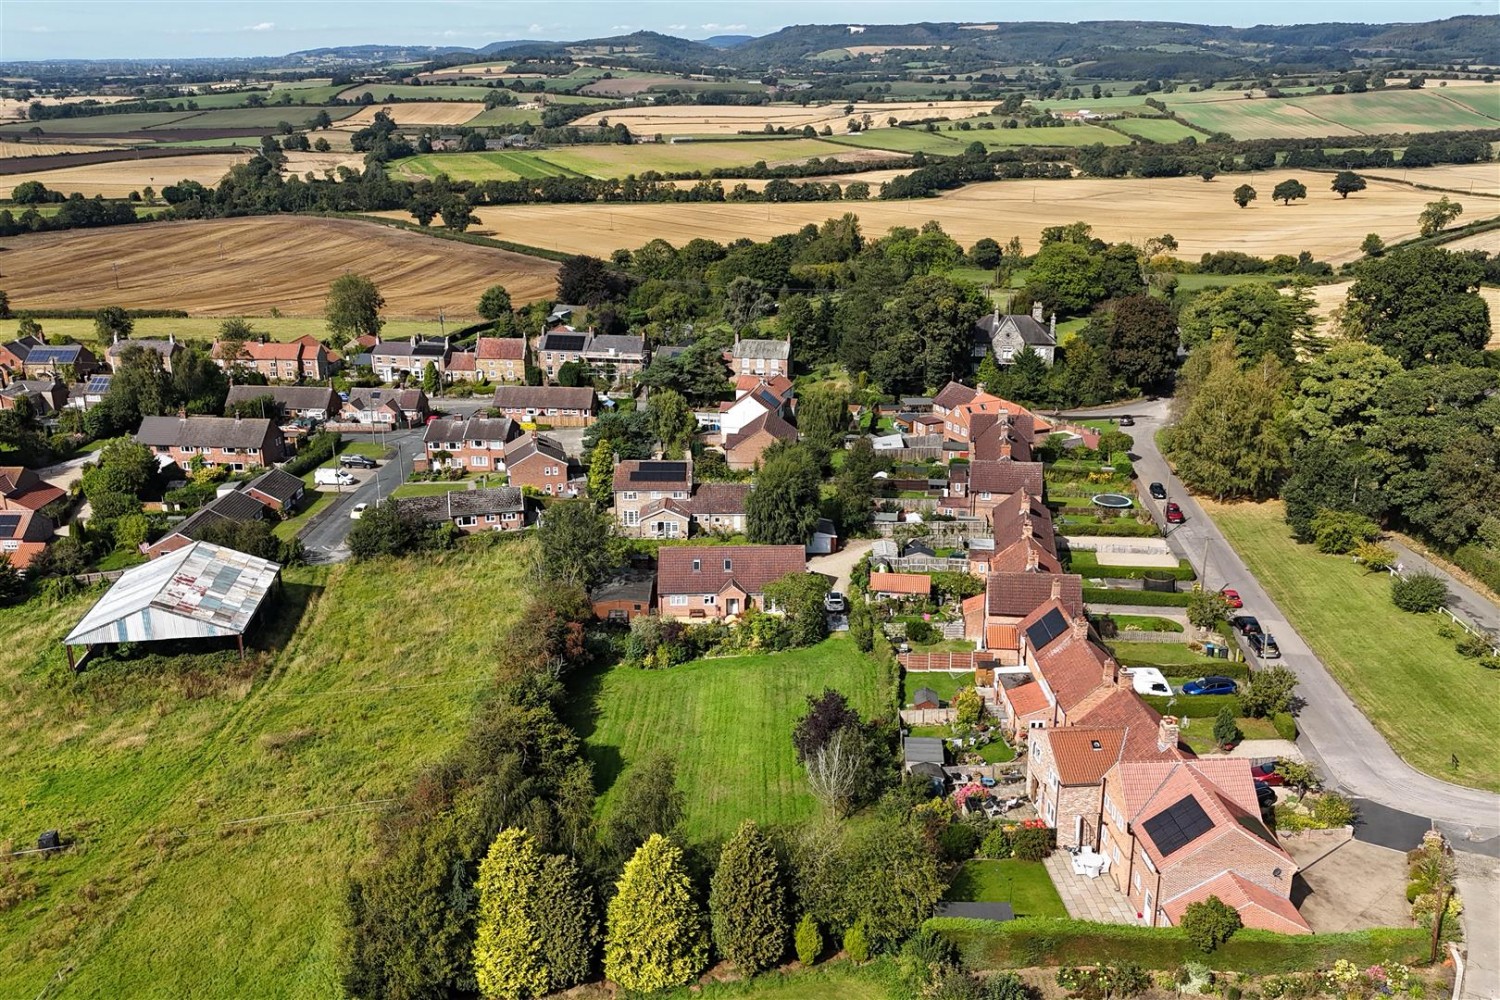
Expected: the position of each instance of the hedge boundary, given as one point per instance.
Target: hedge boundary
(1086, 563)
(1027, 942)
(1134, 598)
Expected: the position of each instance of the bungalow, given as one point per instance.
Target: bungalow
(494, 508)
(540, 463)
(765, 358)
(235, 506)
(234, 442)
(500, 359)
(624, 598)
(293, 402)
(721, 581)
(167, 350)
(280, 491)
(388, 407)
(24, 533)
(296, 361)
(896, 585)
(558, 405)
(395, 359)
(477, 444)
(1006, 336)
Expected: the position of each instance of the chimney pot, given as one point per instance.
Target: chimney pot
(1168, 731)
(1080, 627)
(1056, 580)
(1036, 311)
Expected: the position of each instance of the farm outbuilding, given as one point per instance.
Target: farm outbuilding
(201, 591)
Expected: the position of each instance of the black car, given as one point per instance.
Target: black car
(1245, 624)
(1158, 491)
(357, 462)
(1127, 422)
(1265, 795)
(1264, 645)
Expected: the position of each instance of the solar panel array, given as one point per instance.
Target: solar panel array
(8, 525)
(98, 384)
(1048, 627)
(1178, 825)
(564, 342)
(659, 472)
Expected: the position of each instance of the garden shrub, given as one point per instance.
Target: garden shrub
(1419, 592)
(998, 843)
(809, 940)
(316, 450)
(1333, 810)
(958, 842)
(1286, 725)
(919, 631)
(857, 942)
(1210, 923)
(1034, 843)
(1469, 644)
(1338, 531)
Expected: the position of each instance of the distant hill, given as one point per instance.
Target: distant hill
(726, 41)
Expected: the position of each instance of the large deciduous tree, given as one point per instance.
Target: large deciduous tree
(747, 902)
(576, 544)
(784, 506)
(1244, 195)
(1288, 191)
(1261, 320)
(353, 307)
(1142, 341)
(1346, 182)
(1338, 392)
(654, 935)
(1437, 215)
(1422, 306)
(800, 596)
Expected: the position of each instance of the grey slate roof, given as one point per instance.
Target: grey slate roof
(465, 503)
(473, 429)
(532, 444)
(777, 350)
(166, 348)
(544, 397)
(203, 432)
(290, 397)
(275, 483)
(425, 350)
(233, 507)
(619, 345)
(1030, 331)
(641, 590)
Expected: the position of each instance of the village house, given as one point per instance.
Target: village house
(462, 367)
(762, 358)
(13, 355)
(719, 507)
(500, 359)
(20, 487)
(1006, 336)
(304, 359)
(167, 350)
(385, 408)
(967, 413)
(540, 463)
(89, 393)
(899, 585)
(651, 497)
(615, 357)
(494, 508)
(24, 533)
(279, 491)
(560, 406)
(721, 581)
(234, 506)
(393, 360)
(743, 449)
(34, 358)
(292, 402)
(45, 396)
(476, 444)
(234, 442)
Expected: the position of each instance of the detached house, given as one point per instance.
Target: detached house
(500, 359)
(496, 508)
(395, 359)
(233, 442)
(167, 350)
(539, 462)
(24, 533)
(477, 444)
(764, 358)
(1006, 336)
(558, 405)
(651, 497)
(20, 487)
(385, 407)
(720, 581)
(50, 361)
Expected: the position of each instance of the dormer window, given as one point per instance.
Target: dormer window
(1095, 744)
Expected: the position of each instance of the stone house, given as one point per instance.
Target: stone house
(762, 358)
(500, 359)
(167, 350)
(1008, 335)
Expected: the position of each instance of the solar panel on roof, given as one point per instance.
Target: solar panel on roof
(565, 342)
(99, 383)
(1178, 825)
(659, 472)
(8, 525)
(1049, 627)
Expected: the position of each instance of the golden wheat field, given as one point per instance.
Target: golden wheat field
(20, 150)
(1202, 217)
(698, 119)
(417, 113)
(120, 177)
(250, 266)
(1327, 298)
(13, 110)
(1475, 178)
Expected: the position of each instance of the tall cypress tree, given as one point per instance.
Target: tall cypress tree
(747, 901)
(654, 935)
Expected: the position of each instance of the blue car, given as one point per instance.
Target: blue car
(1209, 685)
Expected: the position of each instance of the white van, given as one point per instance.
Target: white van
(333, 477)
(1148, 680)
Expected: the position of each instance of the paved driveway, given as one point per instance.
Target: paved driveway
(839, 564)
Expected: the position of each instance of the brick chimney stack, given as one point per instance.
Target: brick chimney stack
(1080, 628)
(1111, 671)
(1056, 581)
(1167, 733)
(1036, 311)
(1034, 563)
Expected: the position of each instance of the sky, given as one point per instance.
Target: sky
(101, 29)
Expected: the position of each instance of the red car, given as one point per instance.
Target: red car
(1267, 774)
(1174, 514)
(1232, 597)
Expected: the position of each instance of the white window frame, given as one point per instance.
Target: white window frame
(710, 600)
(466, 521)
(678, 600)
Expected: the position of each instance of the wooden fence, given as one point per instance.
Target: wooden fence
(927, 716)
(948, 662)
(89, 579)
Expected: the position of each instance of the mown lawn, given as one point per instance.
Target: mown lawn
(216, 809)
(728, 722)
(1428, 701)
(1025, 885)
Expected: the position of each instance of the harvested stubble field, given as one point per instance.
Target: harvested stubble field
(205, 329)
(117, 179)
(232, 267)
(953, 143)
(696, 119)
(1465, 178)
(22, 150)
(13, 110)
(1202, 217)
(1327, 298)
(418, 113)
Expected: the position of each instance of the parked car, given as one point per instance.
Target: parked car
(1245, 624)
(1158, 491)
(1266, 774)
(1175, 514)
(1233, 597)
(357, 462)
(834, 602)
(333, 477)
(1265, 646)
(1210, 685)
(358, 511)
(1265, 795)
(1127, 421)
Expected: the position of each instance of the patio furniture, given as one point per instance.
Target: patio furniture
(1090, 863)
(987, 782)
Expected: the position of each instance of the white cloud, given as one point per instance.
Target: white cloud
(722, 27)
(534, 28)
(676, 27)
(262, 26)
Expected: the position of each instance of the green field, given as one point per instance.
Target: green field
(501, 165)
(1157, 129)
(206, 328)
(616, 160)
(1428, 701)
(217, 810)
(1025, 885)
(728, 721)
(945, 143)
(411, 92)
(1375, 112)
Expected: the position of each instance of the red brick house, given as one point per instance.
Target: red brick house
(235, 506)
(494, 508)
(24, 533)
(20, 487)
(560, 406)
(234, 442)
(721, 581)
(303, 359)
(280, 491)
(477, 444)
(539, 462)
(743, 450)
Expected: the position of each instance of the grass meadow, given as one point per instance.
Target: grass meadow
(1403, 675)
(205, 329)
(1374, 112)
(1156, 129)
(728, 721)
(215, 808)
(946, 143)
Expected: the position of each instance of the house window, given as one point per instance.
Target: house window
(656, 494)
(479, 461)
(728, 565)
(984, 495)
(710, 599)
(466, 522)
(697, 565)
(629, 495)
(678, 600)
(490, 518)
(548, 489)
(12, 546)
(632, 518)
(1136, 881)
(679, 495)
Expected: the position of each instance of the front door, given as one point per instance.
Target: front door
(1150, 910)
(732, 605)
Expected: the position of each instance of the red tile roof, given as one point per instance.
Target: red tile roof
(461, 361)
(1026, 698)
(768, 422)
(1258, 906)
(1005, 476)
(751, 567)
(23, 488)
(501, 349)
(1123, 708)
(1000, 636)
(272, 351)
(900, 583)
(1016, 595)
(1084, 755)
(953, 395)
